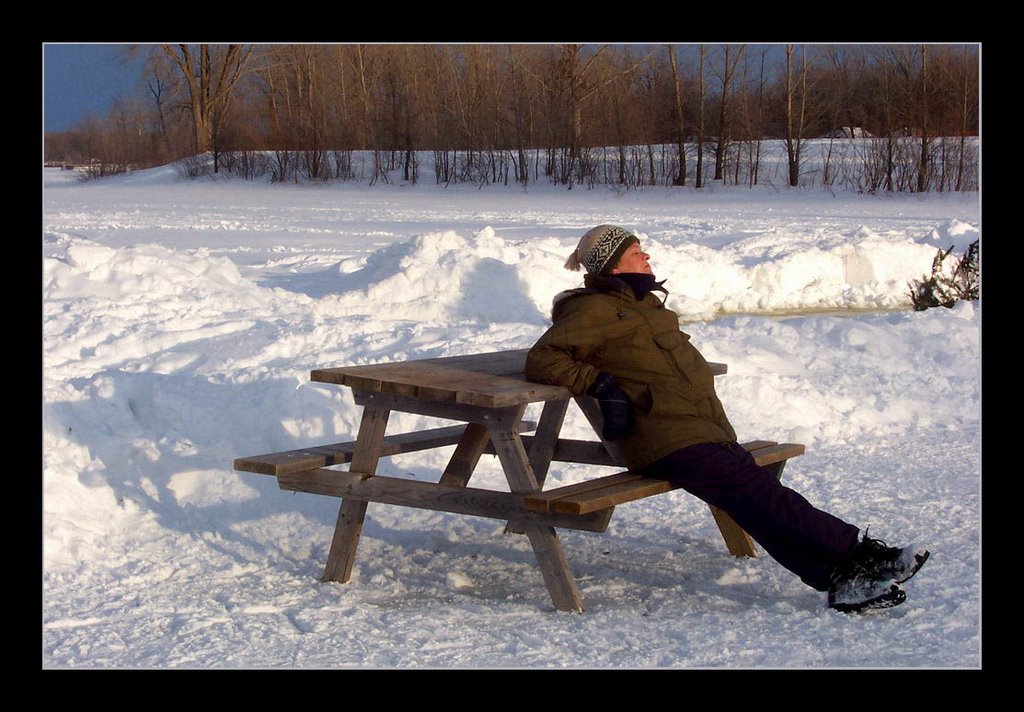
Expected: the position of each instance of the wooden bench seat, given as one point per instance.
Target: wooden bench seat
(311, 458)
(602, 492)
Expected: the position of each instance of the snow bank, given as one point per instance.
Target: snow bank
(834, 380)
(769, 274)
(483, 277)
(445, 276)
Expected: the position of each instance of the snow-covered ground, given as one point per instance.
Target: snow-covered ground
(181, 320)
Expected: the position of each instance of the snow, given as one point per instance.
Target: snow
(181, 320)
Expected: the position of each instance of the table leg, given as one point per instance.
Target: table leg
(546, 547)
(737, 541)
(466, 456)
(349, 526)
(542, 447)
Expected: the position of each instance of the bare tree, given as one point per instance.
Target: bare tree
(680, 124)
(968, 106)
(409, 78)
(158, 88)
(210, 74)
(522, 112)
(581, 84)
(901, 71)
(161, 90)
(367, 74)
(752, 116)
(841, 62)
(364, 75)
(580, 90)
(701, 92)
(730, 59)
(925, 162)
(796, 112)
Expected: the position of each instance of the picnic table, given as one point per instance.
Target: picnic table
(489, 394)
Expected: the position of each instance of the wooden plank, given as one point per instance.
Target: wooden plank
(546, 547)
(566, 450)
(542, 446)
(275, 463)
(777, 453)
(554, 567)
(611, 490)
(434, 409)
(417, 379)
(512, 362)
(623, 483)
(466, 456)
(585, 452)
(592, 452)
(737, 541)
(493, 379)
(433, 496)
(370, 439)
(510, 450)
(349, 526)
(757, 445)
(543, 501)
(610, 496)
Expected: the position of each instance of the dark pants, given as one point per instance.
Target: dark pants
(807, 541)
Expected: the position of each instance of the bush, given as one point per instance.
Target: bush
(101, 170)
(249, 165)
(194, 166)
(946, 289)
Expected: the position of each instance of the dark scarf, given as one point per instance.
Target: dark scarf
(641, 284)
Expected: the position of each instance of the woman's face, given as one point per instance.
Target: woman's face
(633, 260)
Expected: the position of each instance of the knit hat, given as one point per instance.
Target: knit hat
(600, 249)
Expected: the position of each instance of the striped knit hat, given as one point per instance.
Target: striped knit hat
(600, 249)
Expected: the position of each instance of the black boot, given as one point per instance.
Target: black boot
(869, 578)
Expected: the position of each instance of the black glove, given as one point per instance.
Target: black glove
(616, 409)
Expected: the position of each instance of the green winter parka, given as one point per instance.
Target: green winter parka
(603, 327)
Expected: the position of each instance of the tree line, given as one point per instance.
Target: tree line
(669, 114)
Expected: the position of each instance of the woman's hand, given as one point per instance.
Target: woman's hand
(616, 410)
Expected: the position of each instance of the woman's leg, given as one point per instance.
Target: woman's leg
(806, 540)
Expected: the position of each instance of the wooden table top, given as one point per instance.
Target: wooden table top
(491, 380)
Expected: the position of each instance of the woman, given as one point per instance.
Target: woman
(614, 339)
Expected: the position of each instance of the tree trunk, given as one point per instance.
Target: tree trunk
(699, 178)
(792, 160)
(680, 178)
(924, 166)
(208, 94)
(720, 147)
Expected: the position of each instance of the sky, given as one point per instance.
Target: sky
(79, 79)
